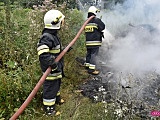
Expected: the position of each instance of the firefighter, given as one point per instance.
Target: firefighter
(94, 34)
(48, 48)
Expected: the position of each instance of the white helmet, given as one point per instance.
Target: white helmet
(53, 19)
(93, 10)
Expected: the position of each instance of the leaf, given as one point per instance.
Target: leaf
(11, 64)
(15, 109)
(2, 118)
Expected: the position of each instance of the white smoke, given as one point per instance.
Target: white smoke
(129, 58)
(135, 49)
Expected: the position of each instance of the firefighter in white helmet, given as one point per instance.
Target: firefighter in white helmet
(48, 48)
(94, 34)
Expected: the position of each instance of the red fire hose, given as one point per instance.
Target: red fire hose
(38, 85)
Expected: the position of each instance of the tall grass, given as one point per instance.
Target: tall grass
(20, 30)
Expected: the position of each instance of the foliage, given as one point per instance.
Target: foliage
(17, 60)
(20, 30)
(29, 3)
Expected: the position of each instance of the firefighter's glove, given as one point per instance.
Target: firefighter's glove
(54, 65)
(69, 49)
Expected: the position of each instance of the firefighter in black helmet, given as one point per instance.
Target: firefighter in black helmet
(94, 34)
(49, 47)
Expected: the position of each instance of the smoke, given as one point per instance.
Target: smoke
(129, 58)
(136, 45)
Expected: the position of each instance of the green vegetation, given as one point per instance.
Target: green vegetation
(20, 30)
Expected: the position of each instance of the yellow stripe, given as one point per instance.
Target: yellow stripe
(90, 44)
(42, 47)
(47, 50)
(58, 18)
(54, 77)
(92, 66)
(55, 51)
(58, 93)
(90, 28)
(86, 64)
(48, 103)
(43, 51)
(48, 25)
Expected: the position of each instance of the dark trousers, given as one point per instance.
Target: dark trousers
(51, 88)
(91, 56)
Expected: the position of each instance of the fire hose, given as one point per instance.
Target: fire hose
(42, 79)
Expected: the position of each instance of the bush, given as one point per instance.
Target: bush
(20, 69)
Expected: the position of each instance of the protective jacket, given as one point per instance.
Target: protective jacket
(93, 31)
(94, 34)
(49, 48)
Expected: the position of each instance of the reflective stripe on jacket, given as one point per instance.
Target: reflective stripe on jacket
(48, 49)
(93, 32)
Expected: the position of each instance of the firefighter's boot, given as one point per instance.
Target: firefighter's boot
(50, 110)
(95, 72)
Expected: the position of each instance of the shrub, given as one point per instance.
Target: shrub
(20, 71)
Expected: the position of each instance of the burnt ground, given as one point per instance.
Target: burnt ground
(130, 99)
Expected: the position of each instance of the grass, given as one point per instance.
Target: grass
(18, 82)
(76, 106)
